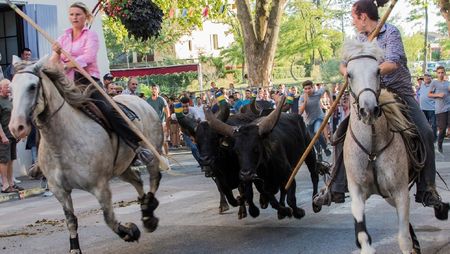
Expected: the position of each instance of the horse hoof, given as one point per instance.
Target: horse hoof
(129, 232)
(298, 213)
(316, 208)
(254, 211)
(224, 207)
(441, 211)
(150, 224)
(77, 251)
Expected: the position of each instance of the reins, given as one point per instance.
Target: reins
(35, 102)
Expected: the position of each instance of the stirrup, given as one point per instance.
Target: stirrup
(144, 155)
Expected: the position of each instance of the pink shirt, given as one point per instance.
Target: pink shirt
(84, 49)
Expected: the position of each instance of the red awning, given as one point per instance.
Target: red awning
(136, 72)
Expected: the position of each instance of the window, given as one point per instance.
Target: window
(215, 41)
(11, 38)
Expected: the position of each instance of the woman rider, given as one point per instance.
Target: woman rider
(83, 45)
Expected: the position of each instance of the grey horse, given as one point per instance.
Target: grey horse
(375, 154)
(76, 152)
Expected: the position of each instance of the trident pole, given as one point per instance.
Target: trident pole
(338, 98)
(162, 161)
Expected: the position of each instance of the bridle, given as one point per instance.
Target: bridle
(356, 96)
(35, 102)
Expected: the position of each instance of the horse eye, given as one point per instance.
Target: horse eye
(349, 75)
(378, 71)
(32, 87)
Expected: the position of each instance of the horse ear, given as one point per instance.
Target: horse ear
(15, 59)
(40, 63)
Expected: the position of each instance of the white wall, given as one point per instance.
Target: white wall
(202, 41)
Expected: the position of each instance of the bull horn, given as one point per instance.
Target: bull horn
(218, 125)
(267, 124)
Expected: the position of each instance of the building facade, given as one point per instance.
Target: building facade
(15, 34)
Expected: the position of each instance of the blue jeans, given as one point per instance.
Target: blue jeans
(192, 146)
(33, 154)
(313, 128)
(431, 117)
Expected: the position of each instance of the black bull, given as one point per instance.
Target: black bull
(216, 154)
(268, 148)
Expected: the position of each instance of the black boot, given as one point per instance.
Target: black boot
(144, 155)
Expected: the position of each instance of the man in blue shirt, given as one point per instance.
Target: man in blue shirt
(427, 103)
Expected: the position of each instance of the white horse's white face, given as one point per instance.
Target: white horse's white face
(23, 89)
(364, 79)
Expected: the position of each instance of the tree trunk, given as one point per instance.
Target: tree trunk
(445, 8)
(260, 37)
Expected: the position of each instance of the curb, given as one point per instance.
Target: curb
(21, 194)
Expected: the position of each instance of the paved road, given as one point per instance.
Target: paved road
(190, 223)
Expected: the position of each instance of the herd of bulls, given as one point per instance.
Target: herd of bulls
(259, 147)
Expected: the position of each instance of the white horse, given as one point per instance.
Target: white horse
(375, 157)
(76, 152)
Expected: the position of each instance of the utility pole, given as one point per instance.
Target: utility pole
(425, 46)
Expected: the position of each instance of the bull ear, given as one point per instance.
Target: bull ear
(224, 112)
(38, 65)
(189, 125)
(217, 125)
(254, 107)
(267, 124)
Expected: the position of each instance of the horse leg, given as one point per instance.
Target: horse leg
(134, 178)
(149, 203)
(404, 235)
(71, 220)
(292, 202)
(241, 201)
(363, 239)
(252, 209)
(129, 232)
(223, 205)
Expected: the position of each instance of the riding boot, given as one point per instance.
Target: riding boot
(121, 128)
(335, 189)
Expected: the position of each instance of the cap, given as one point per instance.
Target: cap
(108, 76)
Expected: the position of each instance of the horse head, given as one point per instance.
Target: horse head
(363, 74)
(25, 91)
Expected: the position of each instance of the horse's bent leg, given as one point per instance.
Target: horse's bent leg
(223, 205)
(71, 220)
(252, 209)
(292, 202)
(242, 213)
(129, 231)
(363, 239)
(133, 177)
(402, 206)
(155, 176)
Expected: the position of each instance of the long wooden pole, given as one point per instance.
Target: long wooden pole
(335, 103)
(162, 162)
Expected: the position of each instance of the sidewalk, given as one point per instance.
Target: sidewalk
(31, 188)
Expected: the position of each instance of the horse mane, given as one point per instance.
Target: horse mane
(395, 114)
(354, 48)
(72, 93)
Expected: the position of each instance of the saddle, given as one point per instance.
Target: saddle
(93, 112)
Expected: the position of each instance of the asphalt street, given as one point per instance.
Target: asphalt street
(190, 221)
